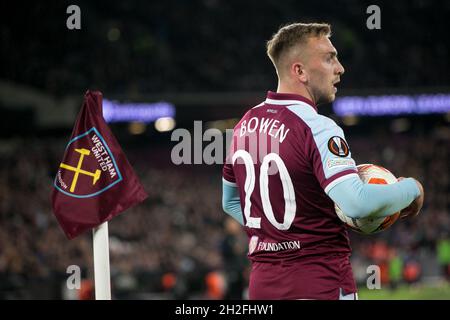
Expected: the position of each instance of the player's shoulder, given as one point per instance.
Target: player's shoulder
(311, 117)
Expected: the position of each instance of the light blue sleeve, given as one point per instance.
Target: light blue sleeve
(359, 200)
(231, 202)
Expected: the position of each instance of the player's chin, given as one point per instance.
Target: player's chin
(329, 98)
(326, 97)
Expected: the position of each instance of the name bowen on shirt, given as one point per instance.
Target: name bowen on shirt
(272, 127)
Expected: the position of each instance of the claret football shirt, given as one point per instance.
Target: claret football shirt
(284, 158)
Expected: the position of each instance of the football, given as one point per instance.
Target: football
(370, 173)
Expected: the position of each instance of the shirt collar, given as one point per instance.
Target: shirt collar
(276, 98)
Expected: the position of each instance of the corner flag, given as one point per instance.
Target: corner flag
(95, 181)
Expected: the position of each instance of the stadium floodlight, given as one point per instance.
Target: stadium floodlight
(165, 124)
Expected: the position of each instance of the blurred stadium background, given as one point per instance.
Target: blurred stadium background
(207, 59)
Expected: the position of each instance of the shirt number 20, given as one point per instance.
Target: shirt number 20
(288, 190)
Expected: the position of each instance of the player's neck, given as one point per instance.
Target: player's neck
(286, 88)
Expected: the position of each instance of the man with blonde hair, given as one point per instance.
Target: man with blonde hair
(285, 198)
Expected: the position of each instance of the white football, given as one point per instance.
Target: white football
(370, 173)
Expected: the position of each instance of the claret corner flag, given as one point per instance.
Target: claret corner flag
(94, 181)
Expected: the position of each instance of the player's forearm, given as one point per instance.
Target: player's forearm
(358, 200)
(231, 203)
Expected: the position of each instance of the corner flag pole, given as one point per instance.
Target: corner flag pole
(101, 262)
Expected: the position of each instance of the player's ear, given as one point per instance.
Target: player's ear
(299, 72)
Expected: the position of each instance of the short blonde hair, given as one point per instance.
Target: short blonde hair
(291, 35)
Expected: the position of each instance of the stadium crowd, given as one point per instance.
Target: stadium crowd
(148, 47)
(179, 243)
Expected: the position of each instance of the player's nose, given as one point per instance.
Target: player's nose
(340, 68)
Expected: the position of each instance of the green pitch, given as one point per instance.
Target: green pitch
(419, 292)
